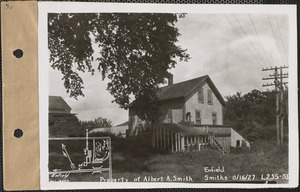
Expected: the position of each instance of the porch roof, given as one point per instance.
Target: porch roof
(191, 131)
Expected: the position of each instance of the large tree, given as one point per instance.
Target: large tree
(254, 113)
(136, 52)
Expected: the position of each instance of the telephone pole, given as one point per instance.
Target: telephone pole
(279, 91)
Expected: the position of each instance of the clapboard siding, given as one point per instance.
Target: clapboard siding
(176, 106)
(206, 110)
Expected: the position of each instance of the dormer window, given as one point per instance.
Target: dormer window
(209, 97)
(200, 96)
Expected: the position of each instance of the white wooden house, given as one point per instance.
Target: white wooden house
(192, 116)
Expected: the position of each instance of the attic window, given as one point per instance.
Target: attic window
(200, 96)
(209, 97)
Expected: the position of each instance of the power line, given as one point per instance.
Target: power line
(281, 41)
(248, 38)
(275, 38)
(259, 40)
(243, 41)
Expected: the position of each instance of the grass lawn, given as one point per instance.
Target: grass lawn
(134, 160)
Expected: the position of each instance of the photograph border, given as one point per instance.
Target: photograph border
(87, 7)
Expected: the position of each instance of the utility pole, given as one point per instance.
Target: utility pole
(281, 107)
(279, 90)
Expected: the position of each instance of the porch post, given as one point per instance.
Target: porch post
(199, 144)
(164, 138)
(187, 143)
(196, 141)
(172, 142)
(179, 143)
(168, 140)
(159, 134)
(176, 143)
(153, 137)
(157, 138)
(201, 141)
(182, 143)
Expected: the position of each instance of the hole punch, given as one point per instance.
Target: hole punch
(18, 133)
(18, 53)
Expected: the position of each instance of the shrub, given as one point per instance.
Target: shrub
(238, 150)
(263, 133)
(64, 125)
(103, 134)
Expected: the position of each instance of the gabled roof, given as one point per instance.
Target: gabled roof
(57, 102)
(123, 124)
(183, 89)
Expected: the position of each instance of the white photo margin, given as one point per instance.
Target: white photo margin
(87, 7)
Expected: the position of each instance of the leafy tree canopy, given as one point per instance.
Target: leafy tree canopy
(255, 106)
(70, 125)
(253, 113)
(136, 52)
(97, 123)
(64, 125)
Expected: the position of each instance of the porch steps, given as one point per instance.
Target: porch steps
(219, 145)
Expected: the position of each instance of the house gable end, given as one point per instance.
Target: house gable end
(212, 86)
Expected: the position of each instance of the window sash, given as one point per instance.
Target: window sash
(198, 114)
(214, 118)
(201, 95)
(198, 117)
(209, 97)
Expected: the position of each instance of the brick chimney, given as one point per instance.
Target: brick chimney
(170, 79)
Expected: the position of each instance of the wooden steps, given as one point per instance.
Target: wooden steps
(220, 146)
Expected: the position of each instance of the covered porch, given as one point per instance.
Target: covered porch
(176, 138)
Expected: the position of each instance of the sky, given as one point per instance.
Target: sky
(232, 49)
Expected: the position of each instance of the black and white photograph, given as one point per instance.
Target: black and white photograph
(178, 96)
